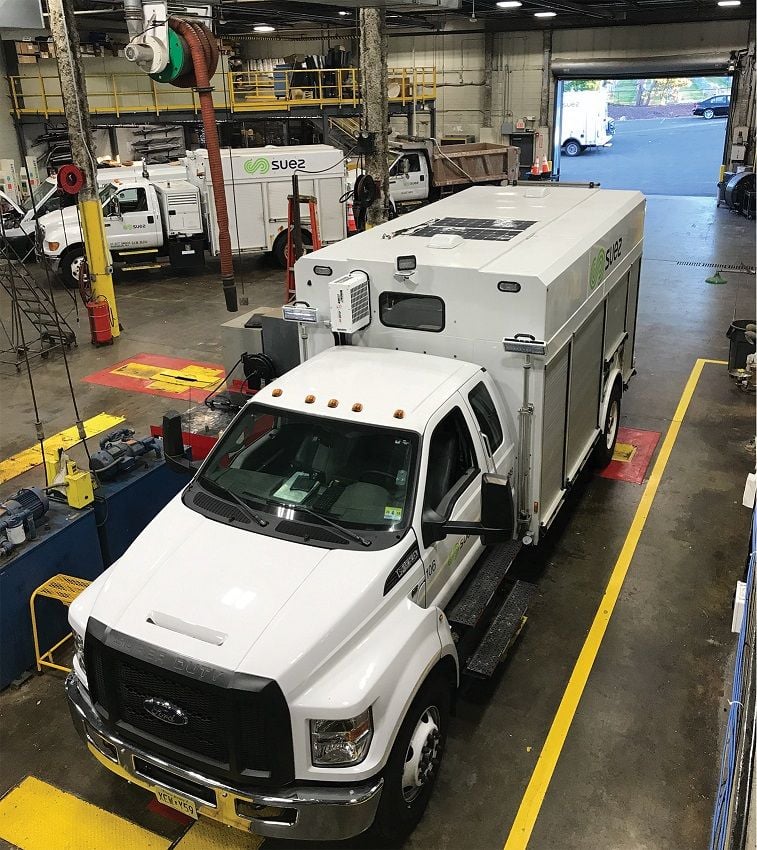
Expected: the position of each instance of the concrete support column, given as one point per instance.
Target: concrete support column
(488, 75)
(743, 99)
(546, 79)
(373, 76)
(74, 90)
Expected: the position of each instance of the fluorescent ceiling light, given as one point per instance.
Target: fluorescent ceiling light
(729, 2)
(509, 4)
(264, 28)
(545, 14)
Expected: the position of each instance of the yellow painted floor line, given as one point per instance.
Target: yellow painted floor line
(520, 832)
(31, 457)
(209, 835)
(38, 816)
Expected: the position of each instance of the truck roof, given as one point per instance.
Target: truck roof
(533, 231)
(382, 381)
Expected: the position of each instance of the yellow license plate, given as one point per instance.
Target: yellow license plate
(176, 801)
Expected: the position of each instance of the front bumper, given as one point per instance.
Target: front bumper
(306, 812)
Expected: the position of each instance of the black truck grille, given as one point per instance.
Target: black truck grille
(237, 730)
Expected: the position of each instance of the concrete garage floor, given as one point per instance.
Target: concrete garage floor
(639, 763)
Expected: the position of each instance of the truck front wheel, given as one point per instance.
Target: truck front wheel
(70, 264)
(573, 147)
(606, 446)
(414, 761)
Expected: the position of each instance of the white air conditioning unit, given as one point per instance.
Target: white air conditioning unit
(350, 303)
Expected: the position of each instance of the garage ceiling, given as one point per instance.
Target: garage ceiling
(425, 16)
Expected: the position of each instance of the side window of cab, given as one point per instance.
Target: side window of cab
(452, 463)
(486, 415)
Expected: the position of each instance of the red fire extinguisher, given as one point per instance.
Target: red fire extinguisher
(100, 321)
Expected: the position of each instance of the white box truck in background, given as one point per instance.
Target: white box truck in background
(586, 122)
(278, 650)
(148, 219)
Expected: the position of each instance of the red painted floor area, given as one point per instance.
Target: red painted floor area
(155, 374)
(635, 469)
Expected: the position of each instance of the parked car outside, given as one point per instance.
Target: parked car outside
(713, 107)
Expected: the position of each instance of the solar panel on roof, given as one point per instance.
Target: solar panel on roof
(487, 229)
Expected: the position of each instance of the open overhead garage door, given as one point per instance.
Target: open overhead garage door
(687, 65)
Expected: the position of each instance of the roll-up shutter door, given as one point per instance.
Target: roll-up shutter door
(632, 303)
(585, 377)
(640, 67)
(553, 433)
(615, 318)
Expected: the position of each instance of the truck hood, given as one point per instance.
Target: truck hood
(61, 226)
(236, 599)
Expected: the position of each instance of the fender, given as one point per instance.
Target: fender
(614, 375)
(384, 671)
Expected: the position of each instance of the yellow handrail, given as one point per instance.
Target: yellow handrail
(248, 91)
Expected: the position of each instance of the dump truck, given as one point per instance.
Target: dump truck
(279, 649)
(423, 171)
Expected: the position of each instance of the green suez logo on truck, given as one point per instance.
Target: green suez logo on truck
(604, 259)
(261, 165)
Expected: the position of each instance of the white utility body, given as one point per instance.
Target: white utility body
(585, 121)
(257, 182)
(278, 649)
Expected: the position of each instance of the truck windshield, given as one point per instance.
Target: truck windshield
(360, 476)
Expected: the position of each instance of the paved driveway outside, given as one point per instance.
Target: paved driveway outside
(657, 156)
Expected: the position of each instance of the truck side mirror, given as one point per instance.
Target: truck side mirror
(497, 508)
(173, 444)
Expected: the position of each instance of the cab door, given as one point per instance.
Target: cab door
(130, 222)
(451, 468)
(408, 178)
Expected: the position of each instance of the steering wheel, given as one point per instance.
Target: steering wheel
(380, 474)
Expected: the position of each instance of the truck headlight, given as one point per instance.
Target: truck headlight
(79, 650)
(53, 246)
(341, 743)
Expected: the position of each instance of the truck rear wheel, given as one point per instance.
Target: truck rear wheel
(70, 264)
(279, 250)
(414, 762)
(573, 148)
(606, 445)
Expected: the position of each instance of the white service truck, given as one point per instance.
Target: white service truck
(20, 221)
(279, 648)
(147, 218)
(586, 122)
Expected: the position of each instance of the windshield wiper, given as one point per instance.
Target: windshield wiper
(310, 512)
(229, 494)
(340, 528)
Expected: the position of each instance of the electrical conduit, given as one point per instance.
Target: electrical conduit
(204, 55)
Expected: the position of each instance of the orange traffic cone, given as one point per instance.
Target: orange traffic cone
(535, 170)
(351, 223)
(546, 167)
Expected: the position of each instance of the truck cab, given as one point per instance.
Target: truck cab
(409, 177)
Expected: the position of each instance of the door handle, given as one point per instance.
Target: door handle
(150, 219)
(422, 178)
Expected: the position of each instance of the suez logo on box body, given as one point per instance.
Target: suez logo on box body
(261, 165)
(603, 259)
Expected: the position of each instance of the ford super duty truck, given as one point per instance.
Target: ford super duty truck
(279, 649)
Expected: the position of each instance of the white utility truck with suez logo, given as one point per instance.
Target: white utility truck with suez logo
(147, 220)
(280, 647)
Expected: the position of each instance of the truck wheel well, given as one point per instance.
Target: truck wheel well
(446, 669)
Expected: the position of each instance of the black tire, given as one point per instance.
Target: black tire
(573, 148)
(68, 269)
(606, 445)
(709, 113)
(279, 250)
(401, 807)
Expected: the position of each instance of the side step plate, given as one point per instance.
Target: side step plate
(503, 630)
(467, 610)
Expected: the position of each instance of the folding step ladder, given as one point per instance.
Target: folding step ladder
(295, 247)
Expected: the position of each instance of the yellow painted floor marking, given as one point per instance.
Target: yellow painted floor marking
(624, 452)
(209, 835)
(143, 371)
(520, 832)
(171, 380)
(38, 816)
(31, 457)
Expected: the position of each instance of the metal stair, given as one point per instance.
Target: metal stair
(29, 301)
(342, 131)
(488, 611)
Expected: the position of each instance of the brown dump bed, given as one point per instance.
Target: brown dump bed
(481, 162)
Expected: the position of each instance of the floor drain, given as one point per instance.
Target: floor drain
(723, 267)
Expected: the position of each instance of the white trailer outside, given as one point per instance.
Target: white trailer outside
(258, 181)
(477, 276)
(586, 122)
